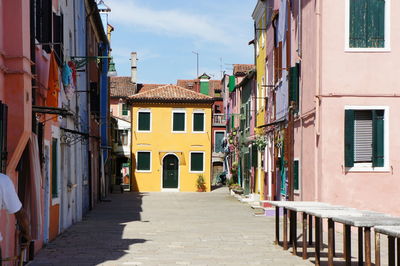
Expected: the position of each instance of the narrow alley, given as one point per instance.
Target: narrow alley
(169, 229)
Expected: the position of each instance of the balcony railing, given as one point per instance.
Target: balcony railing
(219, 120)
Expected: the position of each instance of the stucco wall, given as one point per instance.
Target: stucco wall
(161, 139)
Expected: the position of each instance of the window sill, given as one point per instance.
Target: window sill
(143, 171)
(179, 132)
(359, 169)
(196, 172)
(199, 132)
(367, 50)
(143, 131)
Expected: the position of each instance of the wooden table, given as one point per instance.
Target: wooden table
(330, 214)
(393, 233)
(285, 205)
(363, 222)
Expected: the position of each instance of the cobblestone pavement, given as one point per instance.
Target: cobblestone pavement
(171, 229)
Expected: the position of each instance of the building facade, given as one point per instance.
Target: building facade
(171, 139)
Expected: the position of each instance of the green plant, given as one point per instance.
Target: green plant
(200, 183)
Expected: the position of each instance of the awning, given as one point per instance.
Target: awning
(178, 154)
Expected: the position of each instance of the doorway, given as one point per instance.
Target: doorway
(170, 172)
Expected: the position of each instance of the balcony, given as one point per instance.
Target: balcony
(219, 120)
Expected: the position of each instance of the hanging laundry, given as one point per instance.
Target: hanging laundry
(66, 75)
(72, 65)
(54, 83)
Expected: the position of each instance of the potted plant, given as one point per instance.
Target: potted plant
(201, 183)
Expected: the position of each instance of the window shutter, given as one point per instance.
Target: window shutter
(46, 24)
(198, 122)
(196, 161)
(358, 29)
(144, 121)
(362, 136)
(231, 83)
(378, 138)
(254, 156)
(294, 85)
(143, 161)
(296, 174)
(375, 20)
(349, 138)
(242, 117)
(179, 122)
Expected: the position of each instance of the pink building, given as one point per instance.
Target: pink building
(346, 130)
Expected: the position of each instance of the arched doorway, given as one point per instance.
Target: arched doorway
(170, 172)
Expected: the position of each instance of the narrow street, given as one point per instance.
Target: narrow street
(169, 229)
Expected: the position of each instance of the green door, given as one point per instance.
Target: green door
(170, 171)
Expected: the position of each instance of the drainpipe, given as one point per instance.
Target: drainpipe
(317, 99)
(299, 33)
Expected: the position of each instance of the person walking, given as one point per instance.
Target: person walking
(10, 202)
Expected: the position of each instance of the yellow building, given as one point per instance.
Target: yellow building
(171, 139)
(259, 17)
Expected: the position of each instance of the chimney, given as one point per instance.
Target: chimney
(134, 67)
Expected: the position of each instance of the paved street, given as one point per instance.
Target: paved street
(169, 229)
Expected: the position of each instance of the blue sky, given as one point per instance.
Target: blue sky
(165, 33)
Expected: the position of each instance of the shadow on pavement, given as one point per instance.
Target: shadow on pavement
(99, 237)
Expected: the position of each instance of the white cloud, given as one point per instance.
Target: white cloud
(172, 22)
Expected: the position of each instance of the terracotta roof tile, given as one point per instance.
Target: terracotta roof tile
(121, 87)
(146, 87)
(170, 93)
(242, 69)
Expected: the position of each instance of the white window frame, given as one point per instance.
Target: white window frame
(172, 120)
(151, 162)
(122, 109)
(204, 121)
(367, 167)
(215, 137)
(137, 119)
(190, 162)
(386, 48)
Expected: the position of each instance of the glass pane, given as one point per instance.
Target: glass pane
(219, 136)
(179, 122)
(196, 161)
(143, 161)
(198, 122)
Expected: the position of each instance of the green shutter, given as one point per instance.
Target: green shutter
(232, 83)
(242, 117)
(198, 122)
(254, 156)
(144, 121)
(349, 138)
(143, 161)
(204, 87)
(294, 86)
(296, 174)
(358, 27)
(375, 21)
(54, 168)
(232, 122)
(196, 161)
(378, 138)
(179, 122)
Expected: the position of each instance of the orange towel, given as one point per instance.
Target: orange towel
(54, 83)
